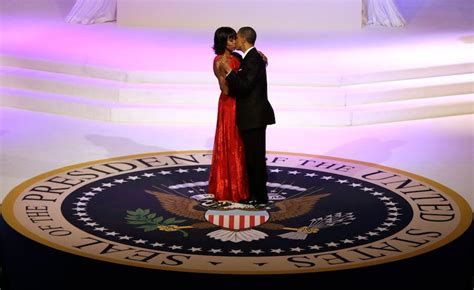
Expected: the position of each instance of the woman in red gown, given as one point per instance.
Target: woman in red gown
(228, 176)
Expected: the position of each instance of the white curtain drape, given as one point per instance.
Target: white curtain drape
(381, 12)
(92, 11)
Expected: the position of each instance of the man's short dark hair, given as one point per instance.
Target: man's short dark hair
(249, 34)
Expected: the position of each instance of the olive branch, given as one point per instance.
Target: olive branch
(148, 221)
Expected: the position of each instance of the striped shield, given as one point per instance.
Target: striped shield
(237, 220)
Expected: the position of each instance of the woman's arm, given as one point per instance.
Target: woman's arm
(242, 83)
(220, 77)
(265, 58)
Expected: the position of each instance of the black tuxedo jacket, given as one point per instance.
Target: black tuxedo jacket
(249, 86)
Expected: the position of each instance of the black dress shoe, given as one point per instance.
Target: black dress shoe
(258, 204)
(262, 201)
(252, 202)
(245, 201)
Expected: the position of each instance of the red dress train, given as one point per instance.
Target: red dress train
(228, 176)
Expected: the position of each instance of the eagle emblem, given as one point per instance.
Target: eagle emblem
(238, 222)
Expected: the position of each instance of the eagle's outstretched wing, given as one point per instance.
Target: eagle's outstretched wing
(293, 207)
(178, 205)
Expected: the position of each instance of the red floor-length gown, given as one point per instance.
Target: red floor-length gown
(228, 176)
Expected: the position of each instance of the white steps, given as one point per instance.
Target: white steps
(206, 114)
(378, 113)
(92, 88)
(413, 109)
(188, 97)
(85, 69)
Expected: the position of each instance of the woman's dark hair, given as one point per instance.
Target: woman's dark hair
(221, 36)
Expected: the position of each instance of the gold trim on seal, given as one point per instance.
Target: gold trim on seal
(9, 215)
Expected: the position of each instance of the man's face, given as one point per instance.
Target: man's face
(239, 42)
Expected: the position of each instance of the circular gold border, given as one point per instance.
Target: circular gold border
(464, 223)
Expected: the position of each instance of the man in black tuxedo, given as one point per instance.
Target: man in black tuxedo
(253, 111)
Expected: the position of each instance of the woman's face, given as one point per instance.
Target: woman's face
(230, 43)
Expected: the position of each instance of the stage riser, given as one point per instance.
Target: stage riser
(181, 97)
(112, 91)
(462, 85)
(54, 104)
(206, 77)
(202, 114)
(413, 110)
(422, 72)
(78, 69)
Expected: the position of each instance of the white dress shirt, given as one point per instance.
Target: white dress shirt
(247, 51)
(243, 56)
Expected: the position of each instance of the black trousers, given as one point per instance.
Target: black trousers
(254, 146)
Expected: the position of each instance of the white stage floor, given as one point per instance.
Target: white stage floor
(440, 149)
